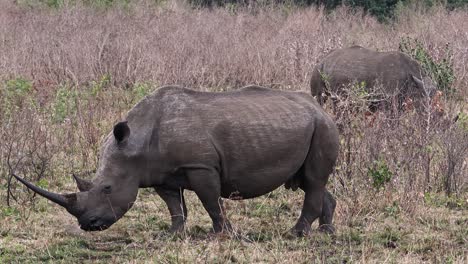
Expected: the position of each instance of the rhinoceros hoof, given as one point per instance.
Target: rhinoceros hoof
(328, 229)
(177, 229)
(168, 236)
(223, 227)
(301, 232)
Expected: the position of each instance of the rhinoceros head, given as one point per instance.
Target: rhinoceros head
(108, 197)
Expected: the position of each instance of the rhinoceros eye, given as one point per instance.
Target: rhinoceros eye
(107, 189)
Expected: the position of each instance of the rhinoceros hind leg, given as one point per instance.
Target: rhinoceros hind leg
(318, 166)
(311, 210)
(176, 204)
(206, 184)
(326, 219)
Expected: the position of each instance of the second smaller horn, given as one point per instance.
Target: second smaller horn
(82, 184)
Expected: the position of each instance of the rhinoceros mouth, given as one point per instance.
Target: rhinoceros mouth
(94, 224)
(96, 227)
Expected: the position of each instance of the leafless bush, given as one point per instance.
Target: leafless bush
(200, 48)
(26, 150)
(454, 146)
(411, 152)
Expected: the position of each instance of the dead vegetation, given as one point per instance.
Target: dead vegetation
(68, 75)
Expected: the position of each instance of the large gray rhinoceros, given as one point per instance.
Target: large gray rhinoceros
(384, 75)
(238, 145)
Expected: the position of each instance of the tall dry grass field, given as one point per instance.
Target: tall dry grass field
(68, 74)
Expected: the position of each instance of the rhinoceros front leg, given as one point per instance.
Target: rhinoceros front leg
(176, 204)
(206, 184)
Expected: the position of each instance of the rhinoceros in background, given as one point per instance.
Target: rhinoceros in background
(384, 75)
(238, 145)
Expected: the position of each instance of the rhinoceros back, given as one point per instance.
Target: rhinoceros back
(387, 70)
(257, 134)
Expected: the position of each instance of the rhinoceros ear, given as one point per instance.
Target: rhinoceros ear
(420, 84)
(121, 131)
(416, 80)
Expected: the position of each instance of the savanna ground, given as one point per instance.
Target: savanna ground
(68, 74)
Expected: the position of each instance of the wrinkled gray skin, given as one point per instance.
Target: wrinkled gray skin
(392, 74)
(237, 145)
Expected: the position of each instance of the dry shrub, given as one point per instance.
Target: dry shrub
(398, 154)
(202, 48)
(46, 141)
(26, 147)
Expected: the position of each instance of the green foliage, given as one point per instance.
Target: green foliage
(141, 90)
(453, 4)
(9, 254)
(389, 237)
(380, 174)
(98, 86)
(260, 236)
(441, 72)
(326, 80)
(462, 122)
(383, 10)
(42, 183)
(106, 3)
(19, 86)
(64, 103)
(392, 210)
(74, 248)
(15, 94)
(56, 4)
(353, 235)
(10, 212)
(360, 89)
(440, 200)
(449, 4)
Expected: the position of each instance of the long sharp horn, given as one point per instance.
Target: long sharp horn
(83, 185)
(63, 200)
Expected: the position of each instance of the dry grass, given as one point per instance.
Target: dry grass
(68, 75)
(368, 231)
